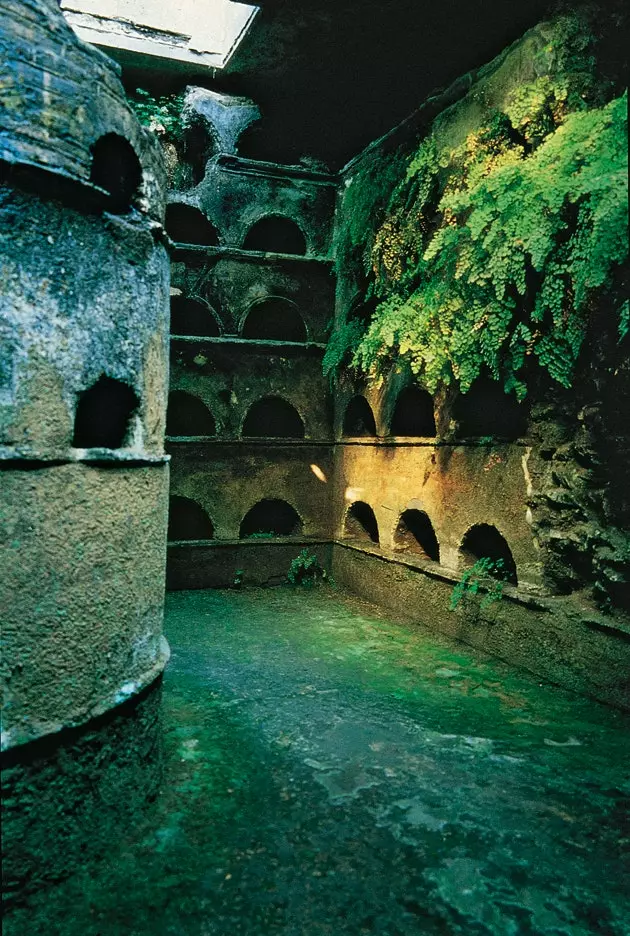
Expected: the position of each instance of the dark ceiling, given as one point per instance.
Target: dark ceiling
(332, 76)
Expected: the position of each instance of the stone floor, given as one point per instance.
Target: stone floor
(332, 771)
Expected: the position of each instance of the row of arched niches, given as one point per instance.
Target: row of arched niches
(221, 197)
(266, 318)
(412, 535)
(482, 413)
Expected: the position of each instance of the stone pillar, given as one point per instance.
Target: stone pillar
(84, 284)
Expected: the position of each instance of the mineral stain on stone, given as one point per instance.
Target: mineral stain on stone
(325, 776)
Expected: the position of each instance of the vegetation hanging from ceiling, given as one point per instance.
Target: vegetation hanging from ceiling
(493, 253)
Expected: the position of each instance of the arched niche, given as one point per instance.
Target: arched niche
(251, 143)
(198, 145)
(104, 415)
(116, 168)
(193, 317)
(487, 411)
(358, 420)
(187, 415)
(483, 541)
(187, 520)
(360, 523)
(186, 224)
(271, 517)
(414, 534)
(274, 319)
(413, 414)
(275, 234)
(273, 418)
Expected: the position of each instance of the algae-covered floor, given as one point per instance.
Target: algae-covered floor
(332, 771)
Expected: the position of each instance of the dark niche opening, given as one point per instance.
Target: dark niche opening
(187, 520)
(186, 224)
(271, 517)
(187, 415)
(104, 414)
(192, 317)
(275, 234)
(274, 319)
(413, 414)
(361, 523)
(198, 147)
(415, 534)
(116, 168)
(273, 417)
(359, 418)
(487, 411)
(484, 541)
(251, 144)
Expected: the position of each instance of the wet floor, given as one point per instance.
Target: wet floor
(332, 771)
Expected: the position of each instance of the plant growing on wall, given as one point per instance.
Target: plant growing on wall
(162, 114)
(306, 570)
(493, 253)
(486, 575)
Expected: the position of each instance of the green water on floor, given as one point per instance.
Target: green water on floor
(332, 771)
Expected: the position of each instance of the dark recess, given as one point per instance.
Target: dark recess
(484, 541)
(359, 419)
(274, 234)
(187, 415)
(103, 415)
(274, 319)
(415, 534)
(187, 520)
(487, 411)
(191, 317)
(272, 517)
(413, 414)
(361, 523)
(185, 224)
(116, 168)
(273, 417)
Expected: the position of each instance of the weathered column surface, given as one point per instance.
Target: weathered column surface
(84, 288)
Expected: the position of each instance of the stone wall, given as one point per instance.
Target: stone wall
(250, 415)
(84, 327)
(545, 476)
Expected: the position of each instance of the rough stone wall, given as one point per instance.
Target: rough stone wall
(227, 473)
(236, 193)
(555, 493)
(230, 285)
(551, 637)
(230, 378)
(456, 486)
(83, 499)
(563, 501)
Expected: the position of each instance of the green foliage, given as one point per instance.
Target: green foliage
(485, 575)
(340, 347)
(162, 115)
(306, 570)
(492, 254)
(365, 199)
(510, 274)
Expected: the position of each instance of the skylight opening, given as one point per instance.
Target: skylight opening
(199, 32)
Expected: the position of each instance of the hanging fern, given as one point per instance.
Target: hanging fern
(491, 254)
(523, 245)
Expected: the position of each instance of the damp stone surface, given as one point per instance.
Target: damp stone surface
(330, 770)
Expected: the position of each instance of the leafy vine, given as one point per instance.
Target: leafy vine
(493, 253)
